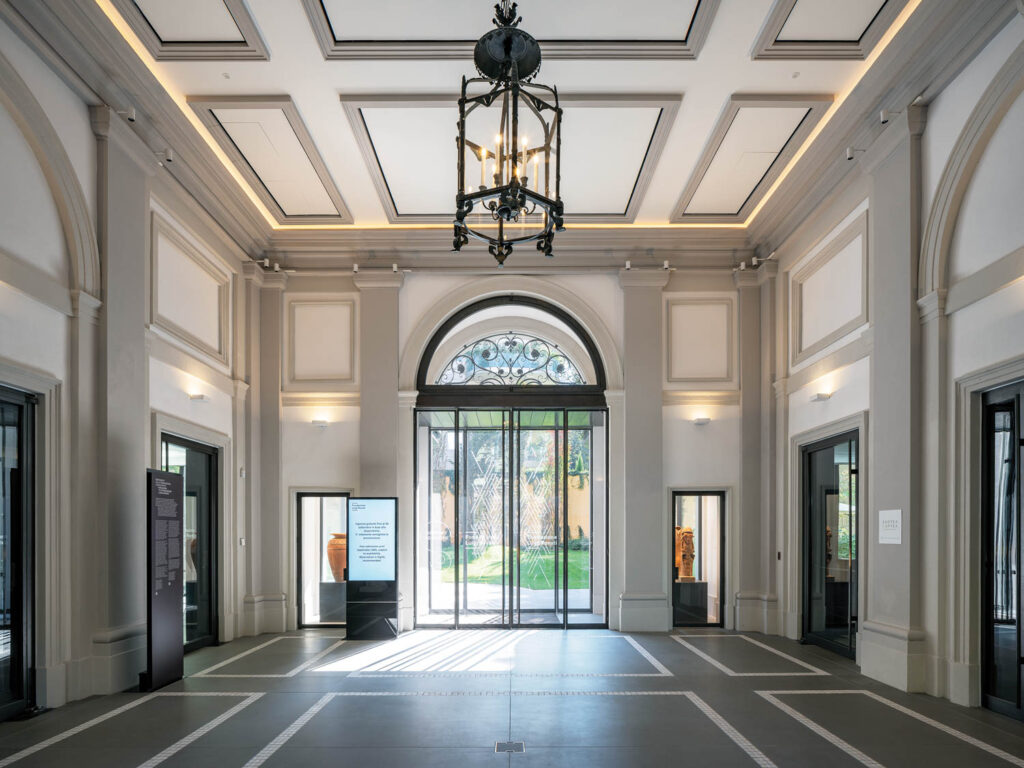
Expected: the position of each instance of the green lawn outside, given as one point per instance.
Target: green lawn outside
(487, 568)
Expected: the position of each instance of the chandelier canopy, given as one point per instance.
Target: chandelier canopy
(514, 143)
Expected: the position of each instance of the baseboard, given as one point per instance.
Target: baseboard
(264, 613)
(894, 656)
(52, 685)
(757, 613)
(965, 684)
(644, 613)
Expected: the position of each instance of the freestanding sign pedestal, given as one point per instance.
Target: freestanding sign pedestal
(165, 648)
(372, 595)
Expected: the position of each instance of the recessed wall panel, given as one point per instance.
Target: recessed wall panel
(699, 339)
(322, 340)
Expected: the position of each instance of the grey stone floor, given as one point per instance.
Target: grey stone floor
(588, 698)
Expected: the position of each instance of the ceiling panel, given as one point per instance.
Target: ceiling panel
(398, 28)
(837, 20)
(190, 20)
(270, 145)
(825, 29)
(605, 166)
(754, 139)
(202, 30)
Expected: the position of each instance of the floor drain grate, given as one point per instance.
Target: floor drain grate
(509, 746)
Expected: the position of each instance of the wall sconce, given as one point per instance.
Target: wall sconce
(198, 397)
(821, 397)
(320, 423)
(700, 421)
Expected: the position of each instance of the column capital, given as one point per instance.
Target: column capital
(643, 278)
(378, 278)
(85, 306)
(275, 280)
(109, 127)
(767, 271)
(252, 271)
(745, 278)
(932, 306)
(1020, 7)
(909, 124)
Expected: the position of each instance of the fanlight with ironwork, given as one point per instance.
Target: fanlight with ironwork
(511, 359)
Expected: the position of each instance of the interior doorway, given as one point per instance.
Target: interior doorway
(698, 556)
(1003, 455)
(197, 463)
(323, 559)
(17, 449)
(831, 539)
(511, 517)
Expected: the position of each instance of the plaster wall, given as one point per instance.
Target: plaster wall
(34, 335)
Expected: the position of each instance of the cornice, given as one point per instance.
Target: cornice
(932, 306)
(745, 278)
(908, 125)
(378, 278)
(275, 280)
(937, 41)
(767, 271)
(253, 272)
(644, 278)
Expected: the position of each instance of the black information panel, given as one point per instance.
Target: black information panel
(165, 652)
(372, 610)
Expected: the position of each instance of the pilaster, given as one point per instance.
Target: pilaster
(893, 645)
(643, 603)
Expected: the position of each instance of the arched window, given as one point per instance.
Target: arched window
(511, 359)
(511, 351)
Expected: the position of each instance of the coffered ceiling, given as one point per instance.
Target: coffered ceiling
(683, 116)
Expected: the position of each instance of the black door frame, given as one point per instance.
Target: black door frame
(1007, 398)
(510, 431)
(721, 552)
(214, 453)
(298, 560)
(808, 636)
(23, 536)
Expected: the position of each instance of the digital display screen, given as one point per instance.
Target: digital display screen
(372, 539)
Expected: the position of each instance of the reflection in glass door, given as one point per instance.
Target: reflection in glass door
(830, 502)
(323, 559)
(510, 517)
(198, 464)
(16, 504)
(1002, 645)
(698, 551)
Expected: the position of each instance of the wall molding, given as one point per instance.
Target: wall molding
(732, 330)
(687, 48)
(694, 397)
(326, 383)
(162, 225)
(76, 219)
(799, 353)
(22, 276)
(986, 281)
(816, 105)
(204, 107)
(846, 355)
(995, 102)
(768, 46)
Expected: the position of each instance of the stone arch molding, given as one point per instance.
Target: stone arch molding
(432, 319)
(79, 233)
(1002, 92)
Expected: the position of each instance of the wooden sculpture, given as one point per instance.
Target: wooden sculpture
(679, 553)
(686, 555)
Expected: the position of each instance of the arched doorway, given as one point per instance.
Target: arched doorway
(511, 470)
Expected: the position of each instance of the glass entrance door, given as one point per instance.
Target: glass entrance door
(510, 518)
(1003, 645)
(16, 504)
(830, 502)
(198, 464)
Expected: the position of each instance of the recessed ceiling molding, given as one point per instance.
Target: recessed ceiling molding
(250, 47)
(813, 107)
(206, 108)
(769, 45)
(688, 46)
(667, 104)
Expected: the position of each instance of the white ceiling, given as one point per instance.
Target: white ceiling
(190, 20)
(844, 20)
(604, 146)
(468, 19)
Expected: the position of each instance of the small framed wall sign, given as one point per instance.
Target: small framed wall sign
(890, 526)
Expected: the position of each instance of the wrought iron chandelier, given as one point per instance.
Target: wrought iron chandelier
(517, 129)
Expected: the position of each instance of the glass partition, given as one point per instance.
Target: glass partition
(323, 558)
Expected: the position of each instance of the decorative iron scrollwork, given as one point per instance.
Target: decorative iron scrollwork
(511, 359)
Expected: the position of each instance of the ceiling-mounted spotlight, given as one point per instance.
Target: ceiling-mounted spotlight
(394, 269)
(166, 155)
(885, 115)
(850, 152)
(665, 265)
(266, 263)
(629, 265)
(355, 269)
(128, 114)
